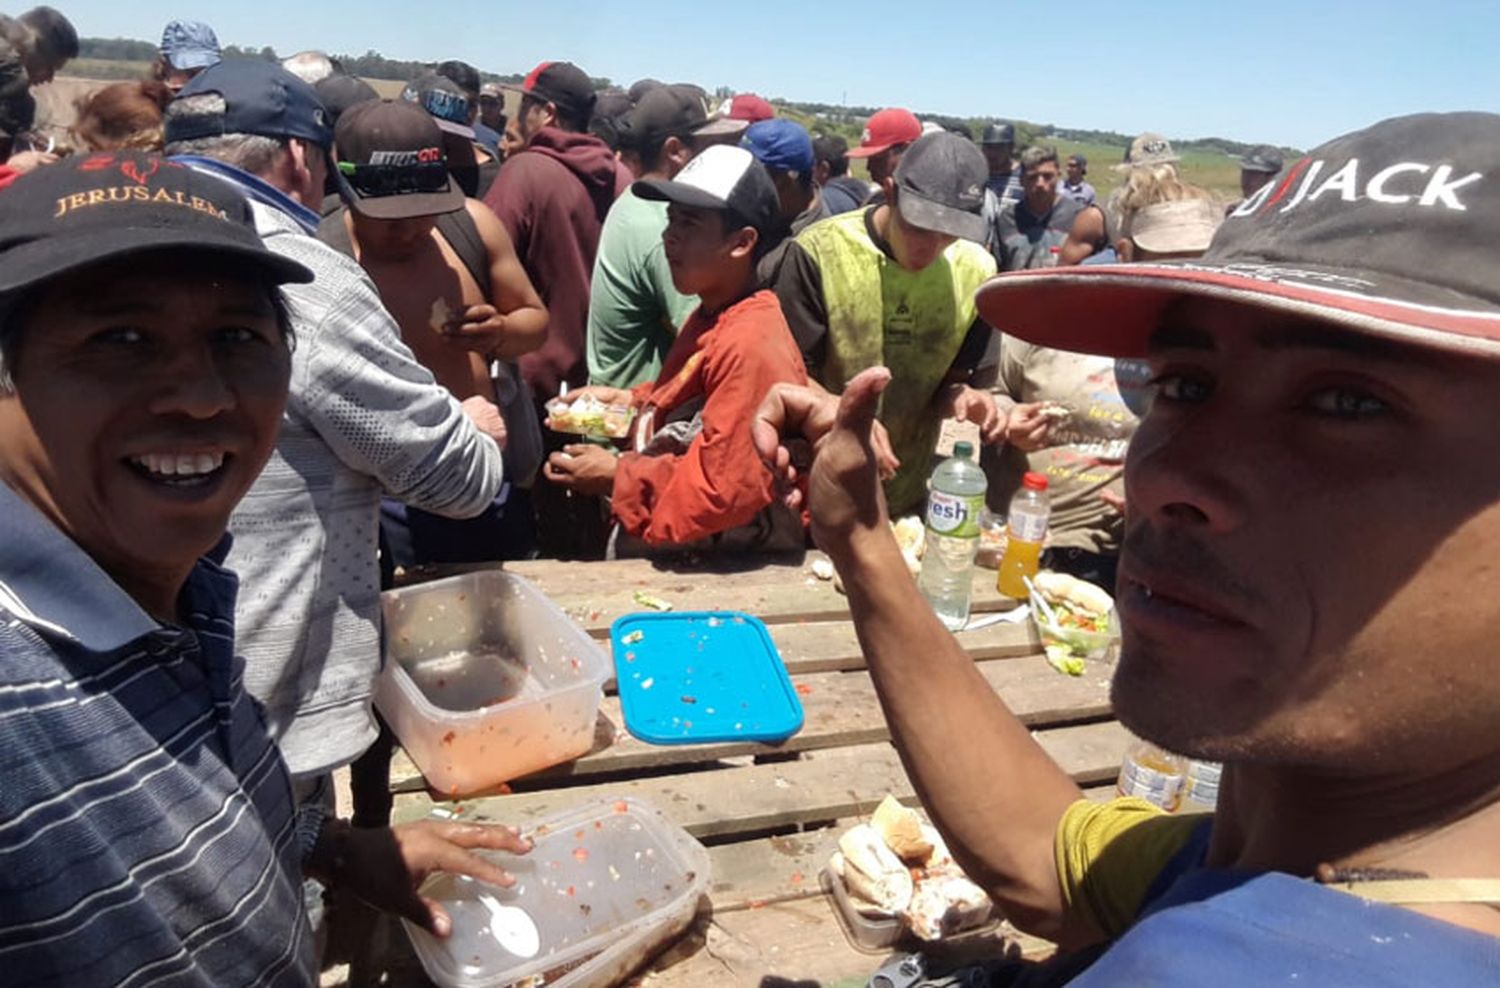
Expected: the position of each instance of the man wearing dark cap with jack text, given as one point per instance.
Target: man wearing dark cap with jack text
(1328, 369)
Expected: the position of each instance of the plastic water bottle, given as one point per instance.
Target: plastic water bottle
(1154, 774)
(1030, 510)
(1202, 789)
(953, 507)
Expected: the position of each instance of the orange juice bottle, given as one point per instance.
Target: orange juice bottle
(1029, 511)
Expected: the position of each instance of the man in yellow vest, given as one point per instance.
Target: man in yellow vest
(894, 285)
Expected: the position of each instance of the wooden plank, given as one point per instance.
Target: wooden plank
(819, 786)
(596, 594)
(832, 646)
(840, 709)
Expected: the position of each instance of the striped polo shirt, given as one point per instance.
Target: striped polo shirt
(146, 819)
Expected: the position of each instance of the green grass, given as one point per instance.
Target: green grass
(106, 68)
(1216, 172)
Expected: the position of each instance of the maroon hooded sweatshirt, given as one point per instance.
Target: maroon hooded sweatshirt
(552, 197)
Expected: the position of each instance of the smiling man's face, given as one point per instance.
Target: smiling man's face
(147, 398)
(1310, 562)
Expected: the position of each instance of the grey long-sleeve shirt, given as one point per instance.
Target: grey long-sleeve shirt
(364, 418)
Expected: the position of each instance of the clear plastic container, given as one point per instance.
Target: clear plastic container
(880, 934)
(487, 680)
(1098, 646)
(607, 885)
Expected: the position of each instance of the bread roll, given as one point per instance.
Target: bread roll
(901, 829)
(1073, 591)
(873, 872)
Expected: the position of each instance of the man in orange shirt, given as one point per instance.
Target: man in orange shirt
(693, 478)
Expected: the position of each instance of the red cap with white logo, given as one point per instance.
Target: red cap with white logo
(1391, 231)
(885, 130)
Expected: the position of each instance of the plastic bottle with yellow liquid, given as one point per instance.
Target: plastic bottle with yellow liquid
(1029, 511)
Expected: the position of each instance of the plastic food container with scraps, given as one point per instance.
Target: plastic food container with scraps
(606, 886)
(486, 680)
(1080, 643)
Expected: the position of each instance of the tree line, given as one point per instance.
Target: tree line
(845, 121)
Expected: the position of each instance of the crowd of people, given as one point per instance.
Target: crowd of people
(267, 339)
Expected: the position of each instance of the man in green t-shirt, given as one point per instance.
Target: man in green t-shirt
(894, 284)
(634, 311)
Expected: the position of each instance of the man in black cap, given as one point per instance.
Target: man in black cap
(466, 77)
(364, 419)
(33, 47)
(145, 362)
(552, 195)
(1258, 167)
(1074, 184)
(893, 284)
(446, 271)
(998, 141)
(1335, 353)
(471, 163)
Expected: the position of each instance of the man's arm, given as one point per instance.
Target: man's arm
(990, 788)
(523, 317)
(1087, 230)
(379, 410)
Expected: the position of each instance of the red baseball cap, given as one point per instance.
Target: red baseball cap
(748, 106)
(885, 130)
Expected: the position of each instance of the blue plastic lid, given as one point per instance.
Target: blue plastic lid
(702, 676)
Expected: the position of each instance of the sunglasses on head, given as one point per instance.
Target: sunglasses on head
(393, 180)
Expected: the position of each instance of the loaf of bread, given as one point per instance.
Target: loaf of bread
(872, 872)
(901, 829)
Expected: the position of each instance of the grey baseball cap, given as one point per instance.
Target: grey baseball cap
(941, 181)
(1262, 159)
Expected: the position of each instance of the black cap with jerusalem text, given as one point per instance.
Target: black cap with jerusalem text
(1391, 231)
(91, 208)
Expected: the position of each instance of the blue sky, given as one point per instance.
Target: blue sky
(1292, 72)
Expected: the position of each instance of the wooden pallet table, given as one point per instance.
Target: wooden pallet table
(771, 815)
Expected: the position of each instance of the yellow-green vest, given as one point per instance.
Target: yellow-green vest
(913, 322)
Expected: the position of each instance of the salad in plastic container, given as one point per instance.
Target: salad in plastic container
(588, 416)
(1084, 623)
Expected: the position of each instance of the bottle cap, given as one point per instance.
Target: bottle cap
(963, 451)
(1034, 481)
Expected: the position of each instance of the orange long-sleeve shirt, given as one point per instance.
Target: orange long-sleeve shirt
(730, 362)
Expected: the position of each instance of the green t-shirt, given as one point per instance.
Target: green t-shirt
(634, 312)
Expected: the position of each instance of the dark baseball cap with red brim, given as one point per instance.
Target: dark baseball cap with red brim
(1389, 231)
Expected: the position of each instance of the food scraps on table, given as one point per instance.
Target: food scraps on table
(898, 866)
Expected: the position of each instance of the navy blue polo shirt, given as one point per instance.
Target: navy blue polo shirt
(146, 819)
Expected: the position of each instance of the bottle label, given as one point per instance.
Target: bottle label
(955, 515)
(1162, 788)
(1025, 527)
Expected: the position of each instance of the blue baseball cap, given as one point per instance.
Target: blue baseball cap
(441, 97)
(780, 145)
(260, 98)
(188, 45)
